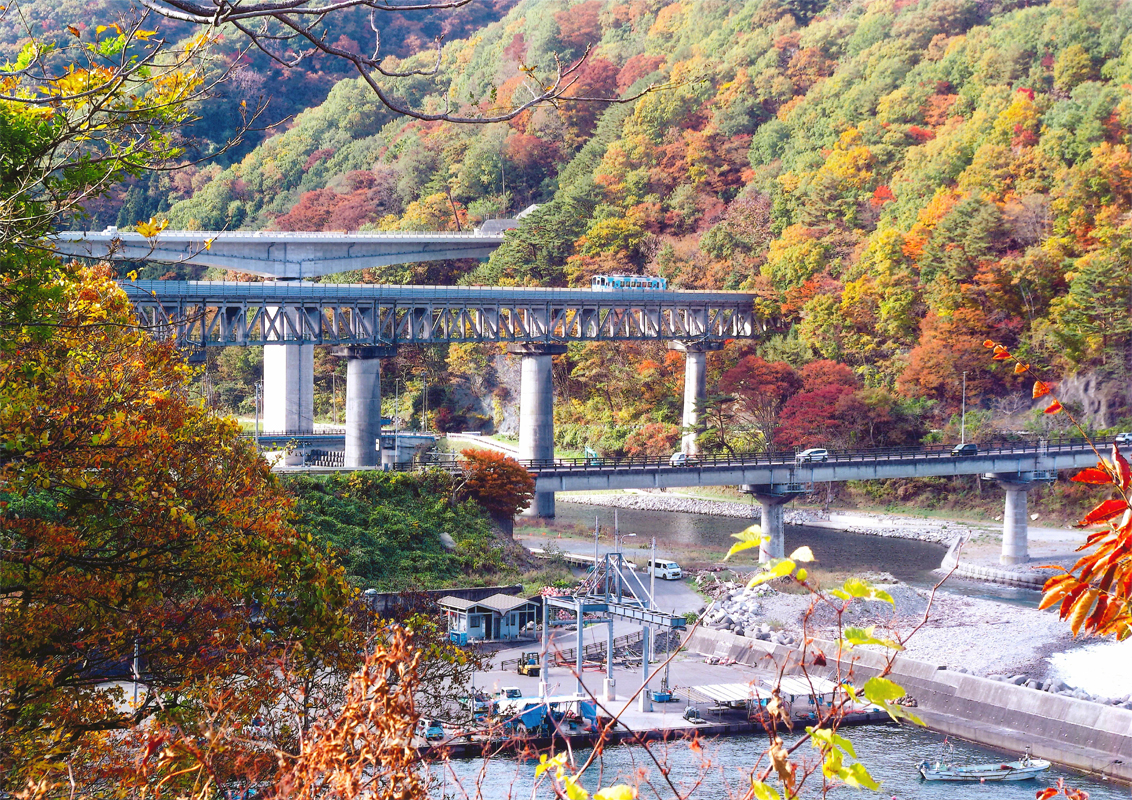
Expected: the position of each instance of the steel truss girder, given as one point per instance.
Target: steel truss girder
(620, 610)
(279, 317)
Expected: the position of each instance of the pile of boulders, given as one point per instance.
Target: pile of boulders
(1056, 686)
(740, 611)
(711, 585)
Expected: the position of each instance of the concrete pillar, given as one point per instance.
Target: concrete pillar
(773, 526)
(695, 388)
(288, 388)
(363, 403)
(644, 700)
(1015, 521)
(536, 413)
(288, 377)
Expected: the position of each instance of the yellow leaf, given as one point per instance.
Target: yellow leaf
(573, 790)
(621, 791)
(803, 553)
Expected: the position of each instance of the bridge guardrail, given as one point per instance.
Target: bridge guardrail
(788, 459)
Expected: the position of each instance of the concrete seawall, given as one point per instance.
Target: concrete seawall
(1077, 733)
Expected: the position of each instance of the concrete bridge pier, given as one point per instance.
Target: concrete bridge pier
(288, 374)
(695, 388)
(363, 403)
(1015, 518)
(771, 500)
(536, 412)
(288, 388)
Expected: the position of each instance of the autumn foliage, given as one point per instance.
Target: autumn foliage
(497, 482)
(1096, 595)
(131, 517)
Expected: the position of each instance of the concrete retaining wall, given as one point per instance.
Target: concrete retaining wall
(1077, 733)
(1031, 579)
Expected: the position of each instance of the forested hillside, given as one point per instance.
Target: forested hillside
(897, 181)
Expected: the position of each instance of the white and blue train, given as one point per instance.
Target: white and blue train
(628, 282)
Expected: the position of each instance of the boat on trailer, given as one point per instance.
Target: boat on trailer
(1020, 770)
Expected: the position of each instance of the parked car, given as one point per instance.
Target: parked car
(510, 692)
(812, 454)
(1123, 438)
(965, 449)
(681, 460)
(431, 729)
(668, 570)
(479, 703)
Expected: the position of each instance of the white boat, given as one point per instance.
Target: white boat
(1019, 770)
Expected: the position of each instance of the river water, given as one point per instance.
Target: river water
(908, 560)
(890, 753)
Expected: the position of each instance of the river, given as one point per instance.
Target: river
(890, 753)
(908, 560)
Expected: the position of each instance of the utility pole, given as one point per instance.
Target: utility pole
(597, 529)
(963, 414)
(652, 574)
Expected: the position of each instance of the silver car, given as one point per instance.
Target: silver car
(812, 454)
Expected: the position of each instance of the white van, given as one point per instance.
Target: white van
(669, 570)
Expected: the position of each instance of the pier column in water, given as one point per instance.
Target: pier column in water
(363, 403)
(771, 500)
(695, 388)
(1015, 519)
(536, 412)
(644, 699)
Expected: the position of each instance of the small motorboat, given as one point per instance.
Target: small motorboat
(1020, 770)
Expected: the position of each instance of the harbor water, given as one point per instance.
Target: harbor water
(723, 767)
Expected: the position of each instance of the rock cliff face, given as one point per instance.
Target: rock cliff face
(1104, 399)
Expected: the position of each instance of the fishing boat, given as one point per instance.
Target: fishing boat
(1020, 770)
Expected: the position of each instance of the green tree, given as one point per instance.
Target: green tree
(75, 119)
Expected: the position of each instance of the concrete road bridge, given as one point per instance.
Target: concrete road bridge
(775, 478)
